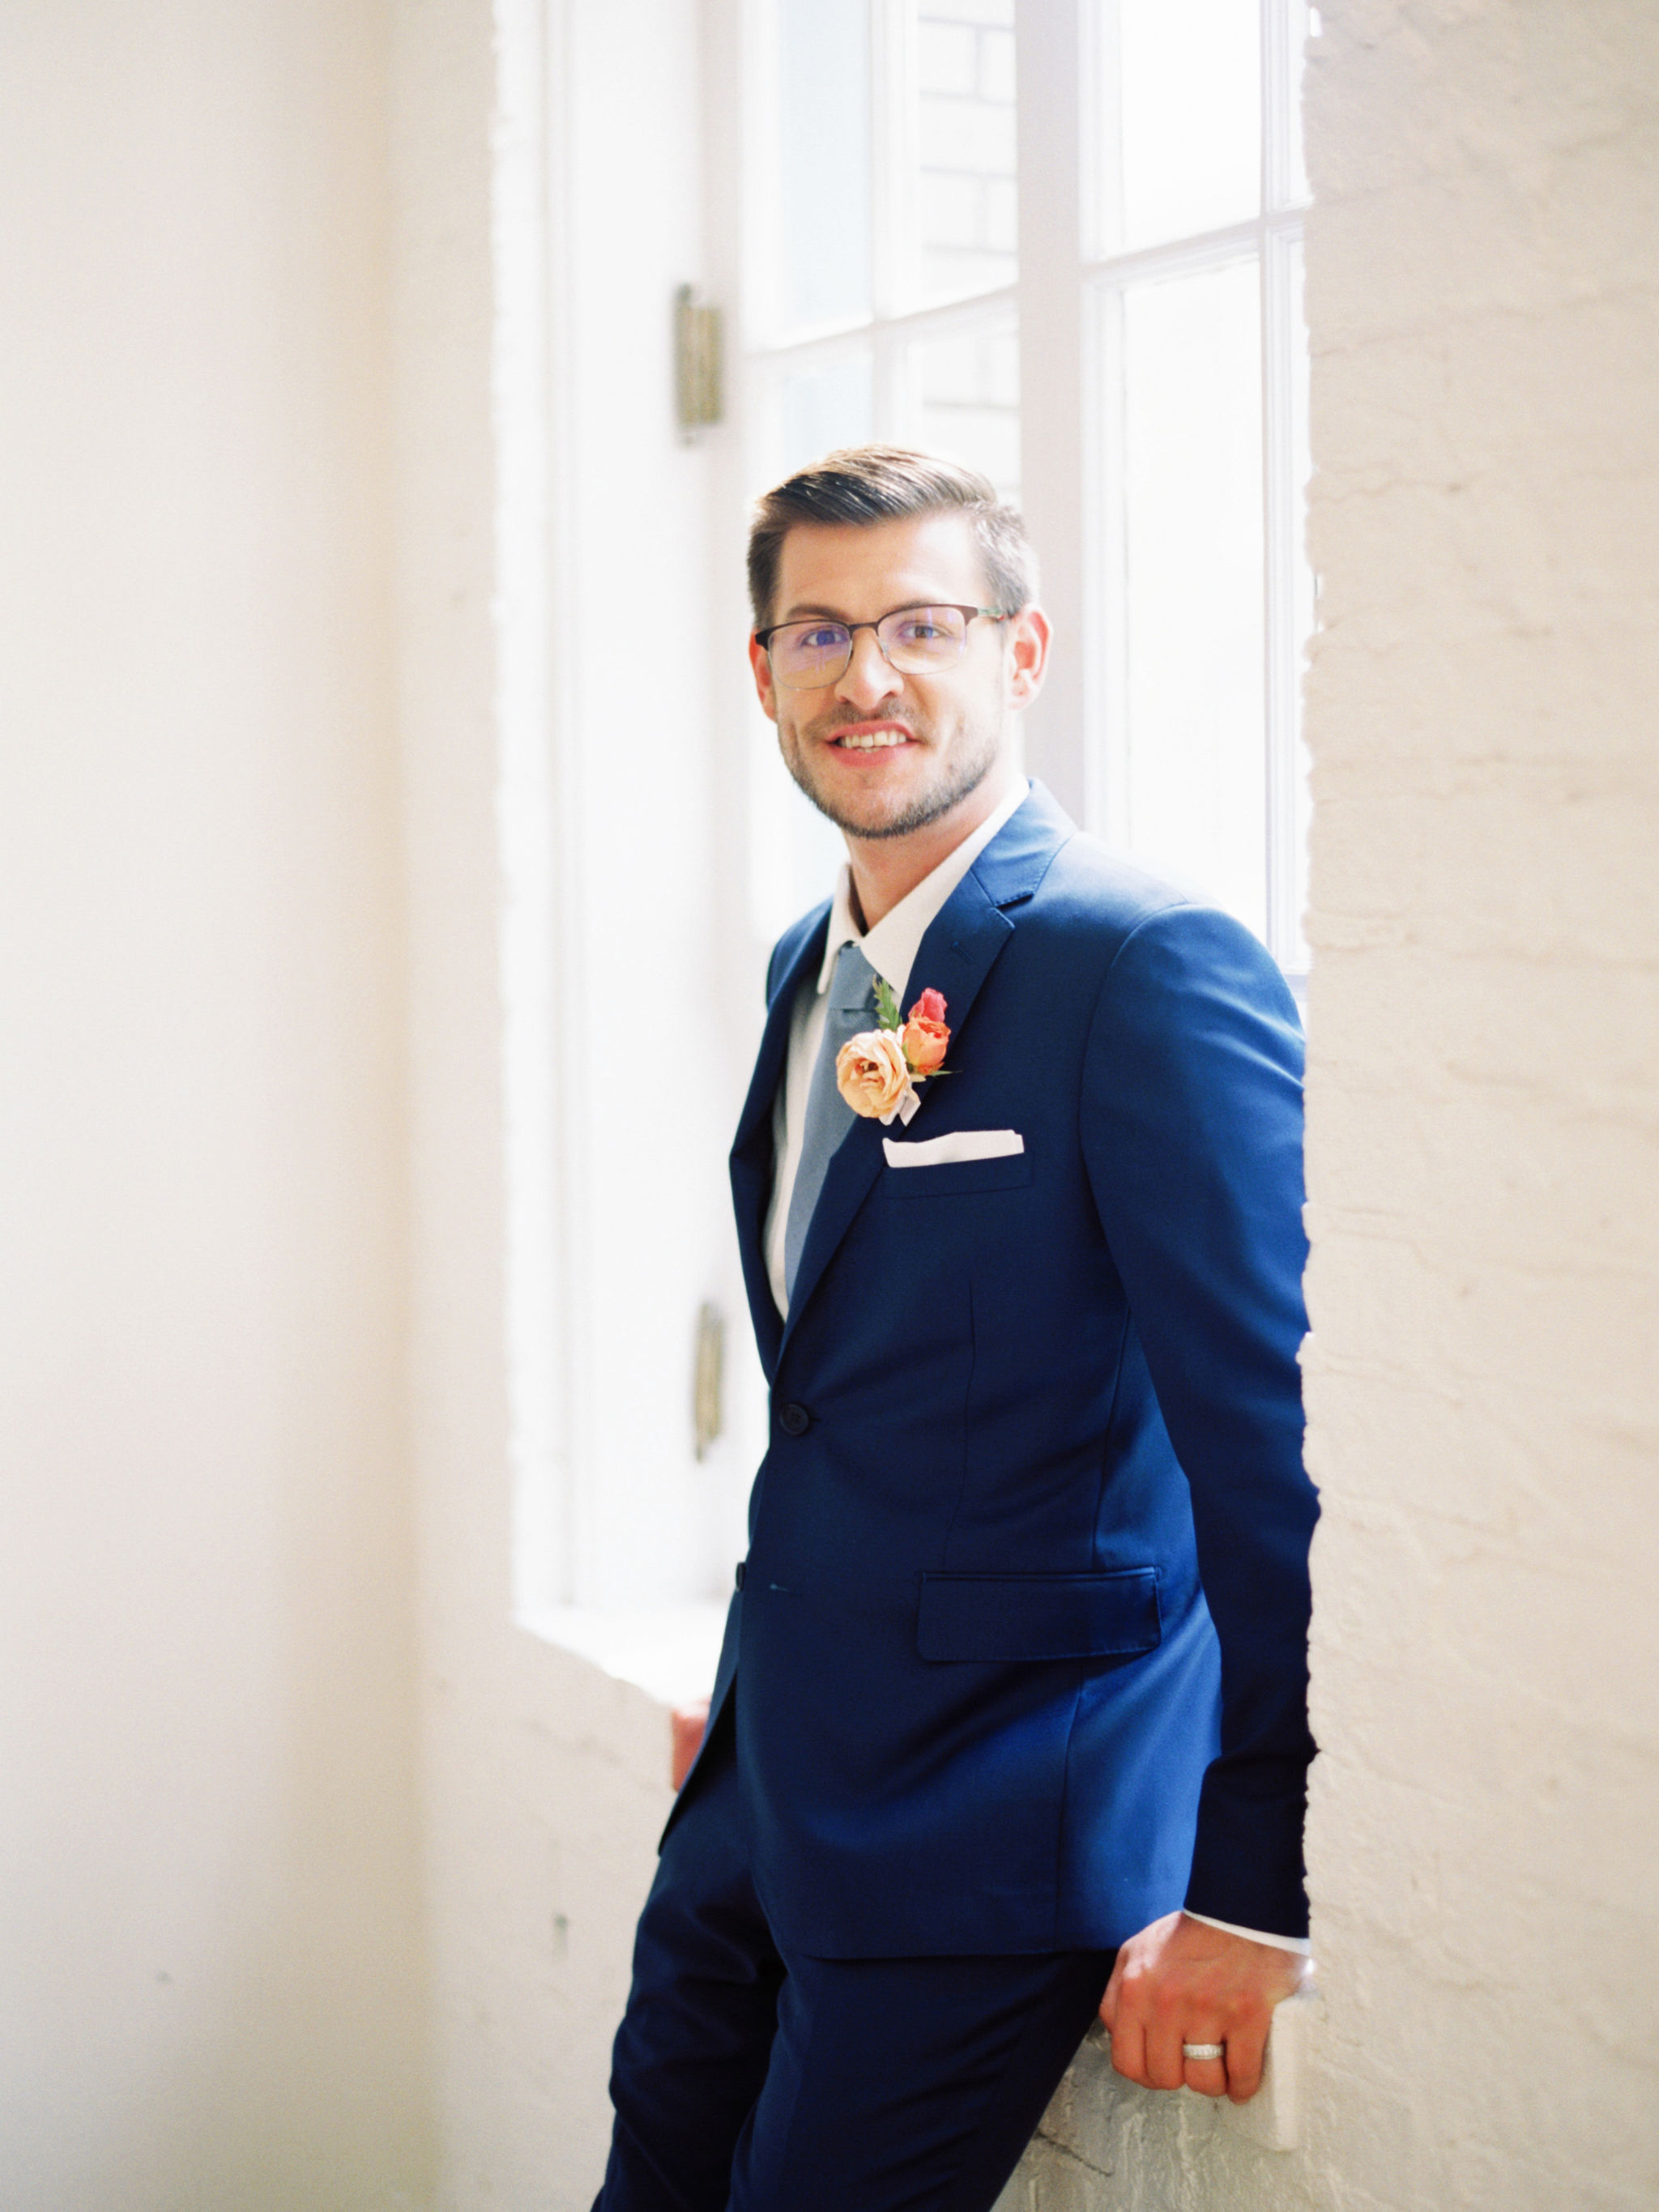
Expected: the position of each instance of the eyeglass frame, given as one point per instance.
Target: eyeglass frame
(763, 638)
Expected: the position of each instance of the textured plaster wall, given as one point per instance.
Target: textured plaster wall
(211, 1986)
(1483, 1150)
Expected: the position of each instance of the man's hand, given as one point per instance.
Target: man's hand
(1182, 1981)
(686, 1724)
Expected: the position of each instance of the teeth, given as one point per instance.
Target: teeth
(870, 741)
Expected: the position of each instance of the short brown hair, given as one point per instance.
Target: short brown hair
(866, 484)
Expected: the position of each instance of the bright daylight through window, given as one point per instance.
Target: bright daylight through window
(1061, 240)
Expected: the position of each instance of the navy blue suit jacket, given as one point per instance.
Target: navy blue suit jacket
(1017, 1661)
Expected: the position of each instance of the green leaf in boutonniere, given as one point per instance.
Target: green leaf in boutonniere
(887, 1010)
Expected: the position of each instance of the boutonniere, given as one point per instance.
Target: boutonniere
(878, 1071)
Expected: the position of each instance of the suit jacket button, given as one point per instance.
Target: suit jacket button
(737, 1579)
(794, 1420)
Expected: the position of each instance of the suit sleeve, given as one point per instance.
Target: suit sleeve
(1192, 1112)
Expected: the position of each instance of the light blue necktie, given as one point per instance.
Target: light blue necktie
(852, 1007)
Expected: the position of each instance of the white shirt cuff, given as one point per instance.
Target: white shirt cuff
(1301, 1944)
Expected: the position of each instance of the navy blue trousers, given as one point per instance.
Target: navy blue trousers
(747, 2079)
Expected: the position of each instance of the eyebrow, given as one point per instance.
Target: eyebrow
(802, 609)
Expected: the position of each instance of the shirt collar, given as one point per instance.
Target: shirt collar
(892, 946)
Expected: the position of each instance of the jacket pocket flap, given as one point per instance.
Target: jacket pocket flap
(1104, 1615)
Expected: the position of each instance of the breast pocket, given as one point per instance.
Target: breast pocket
(957, 1178)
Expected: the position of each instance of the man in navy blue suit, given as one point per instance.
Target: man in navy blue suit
(1010, 1723)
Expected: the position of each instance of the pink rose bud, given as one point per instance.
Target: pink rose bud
(929, 1007)
(925, 1042)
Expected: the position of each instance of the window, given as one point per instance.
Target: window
(1061, 239)
(881, 300)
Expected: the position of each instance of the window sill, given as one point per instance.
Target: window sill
(669, 1651)
(1103, 2125)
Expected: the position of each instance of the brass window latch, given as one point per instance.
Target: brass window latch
(707, 1419)
(697, 362)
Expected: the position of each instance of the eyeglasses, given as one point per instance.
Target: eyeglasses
(915, 640)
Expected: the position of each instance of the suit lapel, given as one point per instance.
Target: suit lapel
(954, 957)
(751, 1151)
(972, 928)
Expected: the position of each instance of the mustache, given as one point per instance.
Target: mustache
(828, 725)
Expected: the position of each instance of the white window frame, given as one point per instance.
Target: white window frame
(1064, 301)
(1272, 240)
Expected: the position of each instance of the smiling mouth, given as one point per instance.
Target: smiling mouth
(869, 741)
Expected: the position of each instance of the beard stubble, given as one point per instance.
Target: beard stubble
(973, 760)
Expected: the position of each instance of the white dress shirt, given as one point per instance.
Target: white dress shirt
(890, 948)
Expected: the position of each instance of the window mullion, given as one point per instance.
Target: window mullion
(1181, 256)
(760, 241)
(892, 154)
(946, 320)
(1282, 511)
(1049, 48)
(1279, 120)
(1101, 171)
(1108, 787)
(892, 187)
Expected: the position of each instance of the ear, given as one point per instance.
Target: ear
(1029, 637)
(761, 667)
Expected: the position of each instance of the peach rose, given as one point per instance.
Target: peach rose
(925, 1042)
(871, 1074)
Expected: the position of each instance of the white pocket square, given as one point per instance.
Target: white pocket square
(959, 1145)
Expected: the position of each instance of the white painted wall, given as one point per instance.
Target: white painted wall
(211, 1993)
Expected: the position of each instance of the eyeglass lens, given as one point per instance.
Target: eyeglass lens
(916, 640)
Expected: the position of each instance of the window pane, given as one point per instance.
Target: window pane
(968, 401)
(824, 409)
(1184, 84)
(1194, 683)
(822, 125)
(966, 208)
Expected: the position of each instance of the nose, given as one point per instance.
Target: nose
(869, 677)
